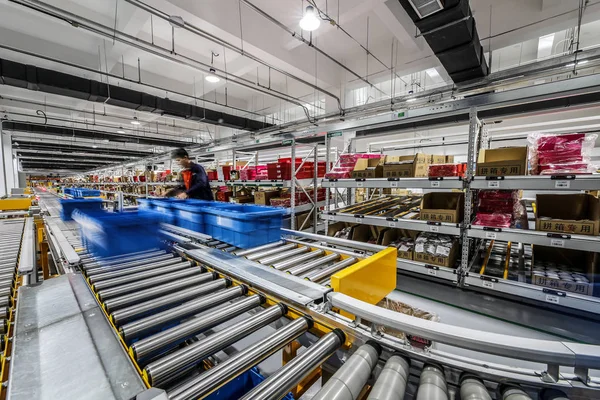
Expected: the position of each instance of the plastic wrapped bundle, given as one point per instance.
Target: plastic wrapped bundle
(403, 244)
(443, 170)
(497, 220)
(498, 208)
(343, 233)
(561, 154)
(434, 244)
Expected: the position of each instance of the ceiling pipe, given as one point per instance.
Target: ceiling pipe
(206, 35)
(132, 41)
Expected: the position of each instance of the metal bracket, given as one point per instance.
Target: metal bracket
(552, 374)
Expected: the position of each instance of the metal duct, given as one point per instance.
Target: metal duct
(34, 78)
(20, 144)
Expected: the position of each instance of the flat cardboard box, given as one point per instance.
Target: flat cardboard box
(572, 260)
(568, 213)
(361, 233)
(264, 197)
(300, 218)
(411, 166)
(440, 261)
(389, 235)
(503, 161)
(368, 168)
(443, 207)
(449, 159)
(241, 199)
(437, 159)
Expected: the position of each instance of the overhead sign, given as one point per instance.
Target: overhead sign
(334, 134)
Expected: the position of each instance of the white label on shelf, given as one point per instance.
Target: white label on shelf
(493, 184)
(562, 184)
(332, 184)
(393, 184)
(435, 184)
(358, 220)
(431, 271)
(557, 243)
(443, 250)
(490, 235)
(360, 184)
(391, 224)
(419, 248)
(434, 228)
(488, 284)
(329, 217)
(552, 299)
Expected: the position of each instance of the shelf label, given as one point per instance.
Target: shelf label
(330, 217)
(493, 184)
(332, 184)
(552, 299)
(562, 184)
(393, 184)
(360, 184)
(435, 184)
(358, 220)
(488, 284)
(490, 235)
(557, 243)
(431, 271)
(434, 228)
(392, 224)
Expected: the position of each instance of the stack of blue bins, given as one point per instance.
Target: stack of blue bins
(86, 205)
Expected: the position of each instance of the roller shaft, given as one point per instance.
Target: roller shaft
(242, 253)
(146, 283)
(473, 389)
(281, 382)
(167, 368)
(283, 265)
(275, 250)
(4, 301)
(326, 272)
(282, 256)
(514, 393)
(391, 383)
(127, 314)
(349, 380)
(161, 289)
(121, 280)
(237, 364)
(120, 256)
(304, 268)
(93, 272)
(432, 384)
(105, 262)
(154, 343)
(153, 322)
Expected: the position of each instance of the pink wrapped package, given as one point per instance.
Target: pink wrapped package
(496, 220)
(498, 208)
(561, 154)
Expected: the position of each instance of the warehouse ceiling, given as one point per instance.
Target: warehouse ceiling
(164, 49)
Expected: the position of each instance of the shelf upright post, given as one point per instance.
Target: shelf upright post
(474, 126)
(351, 192)
(328, 189)
(234, 167)
(293, 186)
(315, 195)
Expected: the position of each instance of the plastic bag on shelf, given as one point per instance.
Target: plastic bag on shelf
(434, 244)
(568, 153)
(496, 220)
(567, 168)
(343, 233)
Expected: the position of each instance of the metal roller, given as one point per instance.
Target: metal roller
(6, 284)
(4, 312)
(146, 283)
(170, 366)
(7, 275)
(242, 253)
(473, 389)
(221, 246)
(157, 290)
(119, 317)
(282, 256)
(266, 253)
(514, 393)
(432, 384)
(391, 382)
(229, 249)
(108, 283)
(326, 272)
(6, 291)
(133, 270)
(149, 324)
(302, 269)
(113, 268)
(120, 256)
(283, 265)
(3, 327)
(4, 301)
(283, 380)
(349, 380)
(136, 256)
(194, 326)
(214, 378)
(553, 394)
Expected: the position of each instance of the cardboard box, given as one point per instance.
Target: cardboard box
(241, 199)
(264, 197)
(568, 213)
(332, 229)
(368, 168)
(449, 159)
(407, 166)
(443, 207)
(441, 261)
(300, 218)
(436, 159)
(362, 233)
(566, 261)
(501, 162)
(389, 235)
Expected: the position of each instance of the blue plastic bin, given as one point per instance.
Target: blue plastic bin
(238, 387)
(165, 208)
(243, 225)
(145, 204)
(70, 205)
(190, 214)
(109, 234)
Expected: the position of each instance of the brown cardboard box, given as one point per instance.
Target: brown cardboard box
(368, 168)
(564, 260)
(241, 199)
(568, 213)
(504, 161)
(332, 229)
(389, 235)
(300, 218)
(443, 207)
(362, 233)
(441, 261)
(436, 159)
(449, 159)
(263, 197)
(411, 166)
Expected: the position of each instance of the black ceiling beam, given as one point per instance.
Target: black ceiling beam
(53, 154)
(89, 159)
(24, 144)
(45, 80)
(55, 167)
(55, 130)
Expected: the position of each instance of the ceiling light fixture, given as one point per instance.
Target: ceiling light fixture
(94, 147)
(578, 63)
(411, 100)
(135, 121)
(121, 129)
(310, 21)
(212, 76)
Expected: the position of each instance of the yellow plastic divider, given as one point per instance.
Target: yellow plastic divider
(17, 203)
(487, 257)
(369, 280)
(507, 261)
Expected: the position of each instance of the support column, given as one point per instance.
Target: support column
(8, 170)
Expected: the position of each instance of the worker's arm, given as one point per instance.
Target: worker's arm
(200, 179)
(180, 188)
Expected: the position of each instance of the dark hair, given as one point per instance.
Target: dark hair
(179, 153)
